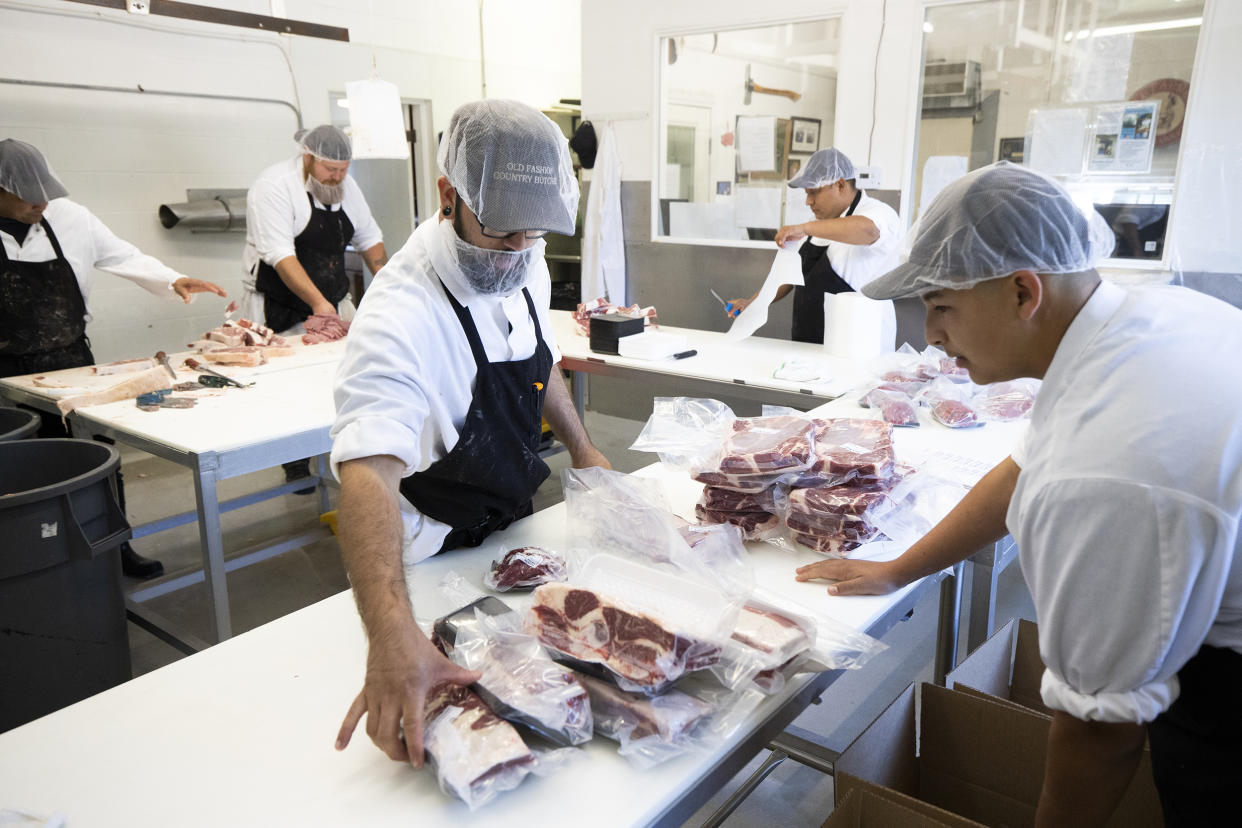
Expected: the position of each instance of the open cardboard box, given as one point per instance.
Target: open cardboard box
(978, 757)
(864, 805)
(1006, 667)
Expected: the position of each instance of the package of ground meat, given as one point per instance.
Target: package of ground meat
(950, 403)
(525, 568)
(895, 407)
(1004, 401)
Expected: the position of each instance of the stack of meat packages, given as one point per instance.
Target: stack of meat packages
(853, 471)
(743, 488)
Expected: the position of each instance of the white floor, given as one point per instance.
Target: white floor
(793, 795)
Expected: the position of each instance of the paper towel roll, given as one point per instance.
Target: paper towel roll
(856, 327)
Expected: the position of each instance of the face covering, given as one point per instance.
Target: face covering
(490, 272)
(327, 194)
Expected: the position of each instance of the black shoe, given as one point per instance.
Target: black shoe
(136, 566)
(298, 470)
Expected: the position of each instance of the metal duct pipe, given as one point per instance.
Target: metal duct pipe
(212, 214)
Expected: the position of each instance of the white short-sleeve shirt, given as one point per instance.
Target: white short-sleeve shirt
(406, 380)
(1126, 509)
(859, 264)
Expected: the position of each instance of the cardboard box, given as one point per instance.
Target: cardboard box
(978, 757)
(864, 805)
(1006, 666)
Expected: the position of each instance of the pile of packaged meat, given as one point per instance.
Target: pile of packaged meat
(662, 646)
(908, 380)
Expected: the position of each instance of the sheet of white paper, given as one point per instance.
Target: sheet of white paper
(757, 207)
(375, 123)
(756, 144)
(1055, 140)
(786, 270)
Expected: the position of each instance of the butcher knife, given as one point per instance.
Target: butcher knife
(163, 360)
(198, 366)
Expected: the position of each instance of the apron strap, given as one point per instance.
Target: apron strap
(467, 325)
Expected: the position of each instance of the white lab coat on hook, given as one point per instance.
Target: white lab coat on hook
(603, 237)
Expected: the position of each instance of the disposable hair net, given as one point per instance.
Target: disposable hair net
(25, 173)
(990, 223)
(511, 166)
(826, 166)
(325, 142)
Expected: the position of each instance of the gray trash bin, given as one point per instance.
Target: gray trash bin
(17, 423)
(62, 611)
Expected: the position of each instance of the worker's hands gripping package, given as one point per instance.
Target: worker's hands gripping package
(773, 641)
(628, 516)
(645, 626)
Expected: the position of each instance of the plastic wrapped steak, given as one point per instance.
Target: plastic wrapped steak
(524, 568)
(762, 445)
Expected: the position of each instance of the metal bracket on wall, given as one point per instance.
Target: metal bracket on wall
(207, 14)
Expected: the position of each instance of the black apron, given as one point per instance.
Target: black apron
(1196, 745)
(42, 314)
(320, 249)
(487, 480)
(820, 279)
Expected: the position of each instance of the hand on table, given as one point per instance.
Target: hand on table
(394, 696)
(790, 232)
(185, 287)
(852, 577)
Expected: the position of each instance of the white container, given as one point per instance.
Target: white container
(651, 345)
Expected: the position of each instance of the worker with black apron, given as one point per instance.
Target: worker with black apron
(320, 249)
(852, 240)
(447, 378)
(49, 248)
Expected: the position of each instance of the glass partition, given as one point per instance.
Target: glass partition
(740, 110)
(1092, 92)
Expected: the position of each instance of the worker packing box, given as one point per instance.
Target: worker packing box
(607, 329)
(978, 757)
(1006, 667)
(864, 805)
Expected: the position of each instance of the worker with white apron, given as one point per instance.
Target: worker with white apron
(1124, 495)
(50, 248)
(853, 239)
(449, 369)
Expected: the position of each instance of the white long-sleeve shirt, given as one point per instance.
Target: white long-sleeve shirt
(88, 244)
(1127, 506)
(859, 264)
(277, 210)
(406, 381)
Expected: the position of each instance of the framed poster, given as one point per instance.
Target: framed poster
(1124, 136)
(792, 166)
(804, 136)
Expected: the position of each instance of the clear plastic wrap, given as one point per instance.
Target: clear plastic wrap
(686, 432)
(763, 446)
(753, 525)
(847, 449)
(525, 568)
(950, 403)
(945, 364)
(904, 365)
(1005, 401)
(519, 682)
(917, 503)
(645, 625)
(895, 407)
(771, 499)
(628, 516)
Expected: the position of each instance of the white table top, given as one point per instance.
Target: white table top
(242, 733)
(752, 360)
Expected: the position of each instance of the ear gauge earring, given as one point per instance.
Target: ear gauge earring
(448, 211)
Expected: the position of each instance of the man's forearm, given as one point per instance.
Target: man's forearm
(375, 257)
(1088, 768)
(979, 519)
(559, 411)
(858, 230)
(370, 534)
(291, 272)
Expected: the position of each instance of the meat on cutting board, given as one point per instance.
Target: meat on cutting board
(152, 379)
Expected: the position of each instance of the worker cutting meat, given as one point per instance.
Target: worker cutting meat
(50, 249)
(301, 214)
(449, 365)
(1124, 495)
(853, 239)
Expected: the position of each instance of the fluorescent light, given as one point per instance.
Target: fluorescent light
(928, 27)
(1131, 28)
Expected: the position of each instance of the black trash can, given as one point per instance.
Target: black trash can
(62, 611)
(17, 423)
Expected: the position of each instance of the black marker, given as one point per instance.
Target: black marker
(685, 354)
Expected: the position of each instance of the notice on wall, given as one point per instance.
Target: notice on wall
(1124, 136)
(756, 144)
(1056, 139)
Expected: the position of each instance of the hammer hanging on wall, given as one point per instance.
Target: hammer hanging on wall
(751, 86)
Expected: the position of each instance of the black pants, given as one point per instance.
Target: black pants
(1196, 745)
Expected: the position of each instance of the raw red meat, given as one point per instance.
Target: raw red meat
(475, 748)
(594, 627)
(833, 547)
(526, 566)
(762, 445)
(777, 636)
(752, 524)
(324, 327)
(848, 448)
(854, 499)
(624, 716)
(954, 414)
(727, 500)
(895, 407)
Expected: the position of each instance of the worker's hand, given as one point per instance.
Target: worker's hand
(394, 696)
(323, 308)
(790, 232)
(739, 305)
(853, 577)
(185, 286)
(588, 457)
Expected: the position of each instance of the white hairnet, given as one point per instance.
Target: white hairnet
(511, 166)
(25, 173)
(992, 222)
(325, 142)
(826, 166)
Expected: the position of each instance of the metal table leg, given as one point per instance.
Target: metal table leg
(949, 624)
(579, 392)
(212, 545)
(321, 471)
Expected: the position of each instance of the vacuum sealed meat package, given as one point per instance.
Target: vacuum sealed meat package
(848, 448)
(754, 525)
(524, 568)
(767, 445)
(895, 407)
(1004, 401)
(950, 403)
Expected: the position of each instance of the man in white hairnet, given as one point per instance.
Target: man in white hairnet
(853, 239)
(300, 215)
(50, 248)
(449, 365)
(1124, 495)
